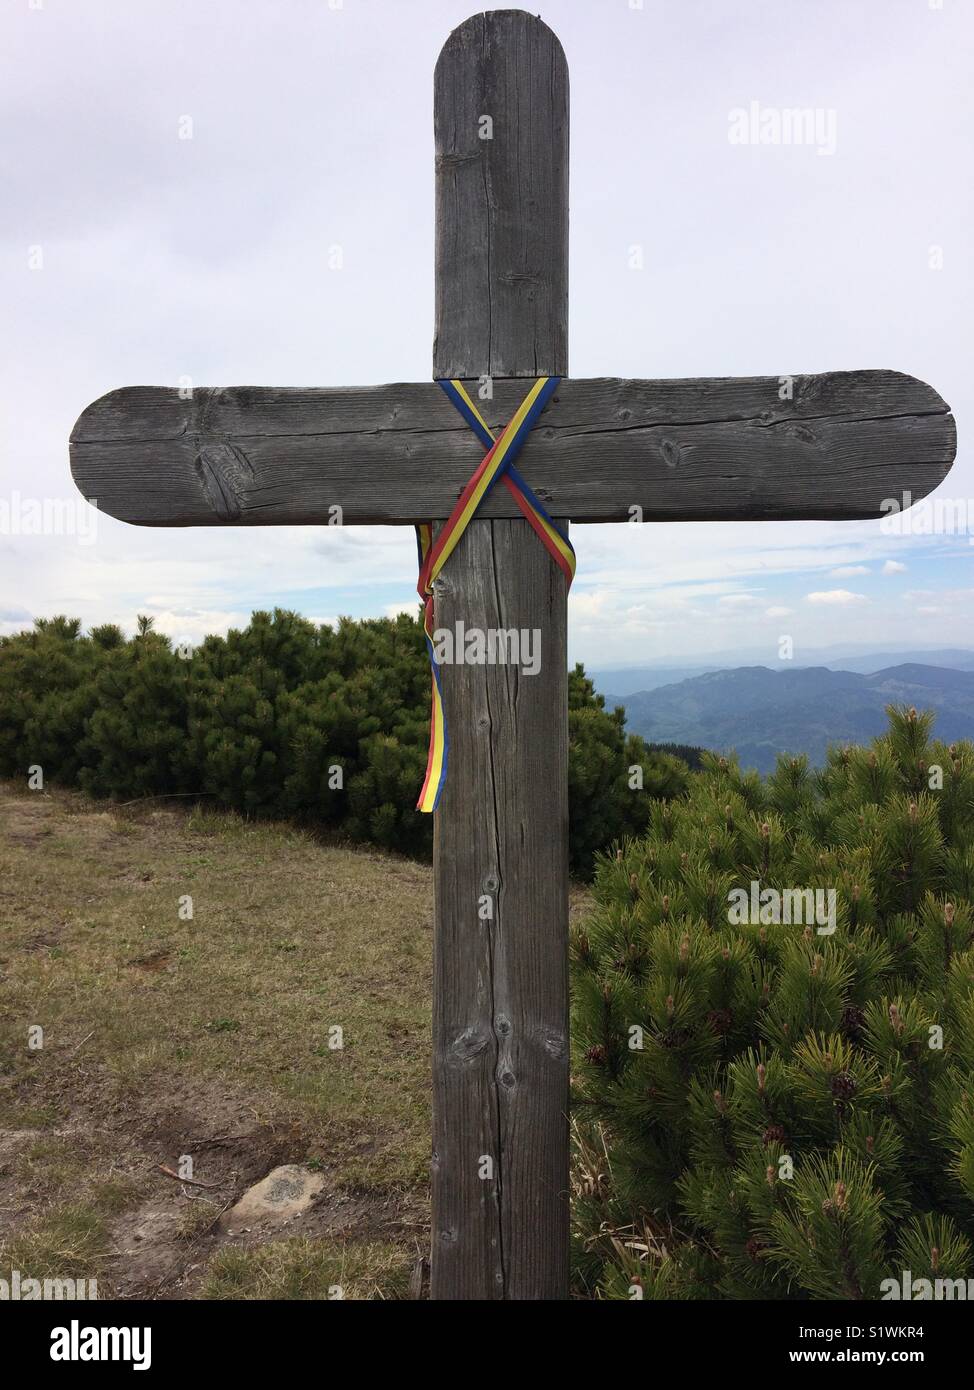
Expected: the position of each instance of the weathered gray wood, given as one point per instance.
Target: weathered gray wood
(693, 450)
(501, 201)
(500, 1007)
(500, 1011)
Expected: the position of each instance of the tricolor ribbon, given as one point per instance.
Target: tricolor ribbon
(498, 463)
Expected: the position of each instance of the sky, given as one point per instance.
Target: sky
(176, 176)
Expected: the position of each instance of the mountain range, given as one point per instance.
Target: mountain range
(630, 679)
(760, 712)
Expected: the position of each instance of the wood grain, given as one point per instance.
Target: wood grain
(690, 450)
(500, 1001)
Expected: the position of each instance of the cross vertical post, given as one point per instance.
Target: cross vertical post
(500, 1002)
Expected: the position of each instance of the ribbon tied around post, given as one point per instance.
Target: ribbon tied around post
(497, 465)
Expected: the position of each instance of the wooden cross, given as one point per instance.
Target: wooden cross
(776, 448)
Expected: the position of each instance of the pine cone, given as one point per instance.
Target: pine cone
(596, 1054)
(844, 1085)
(852, 1022)
(774, 1134)
(720, 1021)
(755, 1247)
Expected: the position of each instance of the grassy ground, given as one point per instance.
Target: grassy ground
(166, 1034)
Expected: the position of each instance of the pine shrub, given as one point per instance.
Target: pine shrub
(324, 725)
(767, 1109)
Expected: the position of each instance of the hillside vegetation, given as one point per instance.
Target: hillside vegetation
(773, 1027)
(759, 713)
(283, 719)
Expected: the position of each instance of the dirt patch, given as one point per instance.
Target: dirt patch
(43, 940)
(13, 1140)
(28, 837)
(158, 960)
(191, 1149)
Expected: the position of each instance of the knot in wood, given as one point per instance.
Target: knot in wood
(224, 471)
(467, 1046)
(670, 451)
(555, 1044)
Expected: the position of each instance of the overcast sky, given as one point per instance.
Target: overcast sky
(129, 255)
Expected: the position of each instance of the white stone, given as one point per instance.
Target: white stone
(285, 1193)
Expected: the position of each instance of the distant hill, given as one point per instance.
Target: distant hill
(954, 657)
(630, 680)
(641, 678)
(761, 712)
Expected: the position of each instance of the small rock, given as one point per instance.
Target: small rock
(285, 1192)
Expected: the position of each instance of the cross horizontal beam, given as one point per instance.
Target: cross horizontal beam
(721, 449)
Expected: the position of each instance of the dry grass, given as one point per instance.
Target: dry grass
(156, 1023)
(165, 1034)
(309, 1269)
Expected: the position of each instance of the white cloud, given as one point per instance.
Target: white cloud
(133, 290)
(837, 596)
(195, 624)
(946, 596)
(589, 607)
(894, 567)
